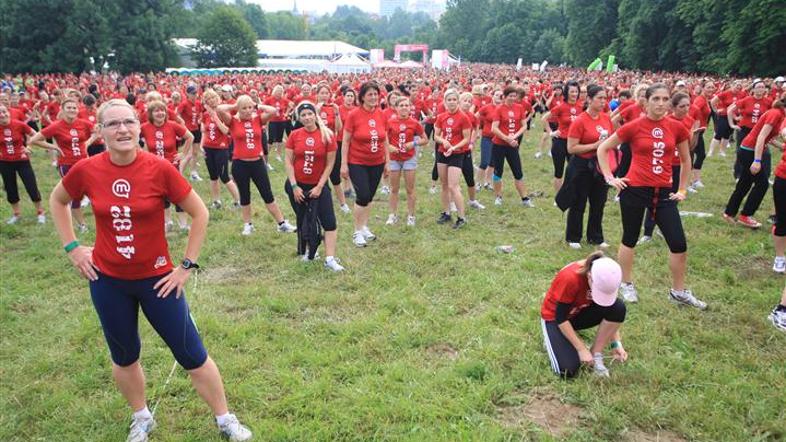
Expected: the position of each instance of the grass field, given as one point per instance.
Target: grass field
(430, 334)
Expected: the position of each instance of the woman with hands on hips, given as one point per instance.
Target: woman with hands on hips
(130, 265)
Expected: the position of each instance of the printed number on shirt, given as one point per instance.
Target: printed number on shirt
(121, 222)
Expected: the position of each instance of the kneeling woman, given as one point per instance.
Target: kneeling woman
(130, 265)
(309, 158)
(581, 296)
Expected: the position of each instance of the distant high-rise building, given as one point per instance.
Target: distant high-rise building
(433, 8)
(388, 7)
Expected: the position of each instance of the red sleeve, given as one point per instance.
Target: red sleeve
(419, 129)
(74, 181)
(771, 118)
(51, 130)
(177, 187)
(576, 129)
(332, 146)
(681, 132)
(27, 129)
(625, 133)
(291, 141)
(180, 130)
(438, 122)
(496, 116)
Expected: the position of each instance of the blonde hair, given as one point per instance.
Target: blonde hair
(641, 87)
(244, 100)
(465, 96)
(277, 88)
(153, 96)
(115, 102)
(210, 94)
(450, 92)
(325, 131)
(152, 107)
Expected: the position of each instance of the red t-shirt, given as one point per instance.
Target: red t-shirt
(128, 203)
(368, 129)
(568, 287)
(452, 126)
(162, 140)
(509, 119)
(247, 138)
(700, 111)
(401, 132)
(780, 169)
(70, 139)
(555, 102)
(652, 145)
(52, 109)
(310, 154)
(727, 98)
(751, 109)
(343, 112)
(588, 130)
(434, 106)
(773, 117)
(189, 111)
(14, 139)
(687, 121)
(90, 115)
(565, 114)
(632, 112)
(281, 105)
(486, 114)
(328, 114)
(213, 137)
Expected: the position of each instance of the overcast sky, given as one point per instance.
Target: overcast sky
(320, 6)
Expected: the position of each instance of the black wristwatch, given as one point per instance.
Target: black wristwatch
(188, 264)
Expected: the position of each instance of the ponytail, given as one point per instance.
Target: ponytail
(587, 266)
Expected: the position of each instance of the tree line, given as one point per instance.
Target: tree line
(726, 37)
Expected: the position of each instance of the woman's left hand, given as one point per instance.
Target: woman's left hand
(620, 354)
(174, 280)
(678, 196)
(315, 192)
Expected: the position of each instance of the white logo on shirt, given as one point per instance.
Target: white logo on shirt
(309, 141)
(372, 123)
(657, 133)
(160, 262)
(73, 132)
(602, 132)
(121, 188)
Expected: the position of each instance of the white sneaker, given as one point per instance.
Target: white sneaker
(345, 208)
(778, 318)
(453, 207)
(248, 229)
(285, 227)
(216, 205)
(644, 240)
(604, 245)
(83, 228)
(432, 190)
(392, 219)
(598, 367)
(629, 293)
(475, 204)
(234, 430)
(528, 203)
(304, 257)
(617, 198)
(478, 187)
(85, 202)
(367, 235)
(359, 239)
(779, 265)
(686, 297)
(236, 205)
(269, 167)
(333, 264)
(140, 429)
(195, 176)
(385, 190)
(692, 189)
(41, 218)
(538, 155)
(168, 225)
(698, 184)
(498, 201)
(14, 219)
(410, 221)
(574, 245)
(278, 157)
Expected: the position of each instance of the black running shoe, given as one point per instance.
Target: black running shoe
(443, 218)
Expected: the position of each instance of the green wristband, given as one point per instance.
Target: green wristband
(616, 344)
(71, 246)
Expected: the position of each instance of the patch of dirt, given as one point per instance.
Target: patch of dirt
(221, 275)
(754, 268)
(547, 411)
(443, 350)
(658, 436)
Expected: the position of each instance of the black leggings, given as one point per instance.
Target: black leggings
(559, 155)
(741, 134)
(634, 202)
(625, 160)
(325, 213)
(699, 153)
(434, 173)
(562, 354)
(649, 221)
(428, 128)
(501, 153)
(589, 186)
(365, 180)
(335, 174)
(9, 170)
(779, 197)
(722, 129)
(757, 184)
(217, 161)
(244, 172)
(468, 169)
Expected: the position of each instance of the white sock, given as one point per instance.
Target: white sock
(221, 420)
(143, 414)
(329, 258)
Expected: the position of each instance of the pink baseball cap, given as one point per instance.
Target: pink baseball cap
(606, 278)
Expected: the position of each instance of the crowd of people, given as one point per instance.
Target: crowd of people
(128, 145)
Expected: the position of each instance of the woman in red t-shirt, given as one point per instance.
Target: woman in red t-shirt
(701, 112)
(130, 264)
(247, 128)
(653, 140)
(553, 100)
(755, 160)
(584, 182)
(72, 135)
(161, 136)
(404, 136)
(308, 159)
(15, 160)
(779, 198)
(564, 114)
(628, 111)
(215, 142)
(330, 114)
(279, 121)
(510, 122)
(364, 157)
(583, 295)
(452, 130)
(468, 166)
(745, 113)
(486, 115)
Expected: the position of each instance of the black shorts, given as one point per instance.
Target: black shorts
(500, 154)
(722, 129)
(276, 131)
(217, 161)
(454, 160)
(197, 135)
(365, 180)
(553, 126)
(634, 202)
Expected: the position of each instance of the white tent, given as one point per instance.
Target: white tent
(410, 65)
(349, 63)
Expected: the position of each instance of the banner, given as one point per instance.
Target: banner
(543, 65)
(595, 64)
(610, 64)
(518, 64)
(376, 55)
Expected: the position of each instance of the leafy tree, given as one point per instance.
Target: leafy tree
(226, 39)
(285, 26)
(591, 28)
(255, 17)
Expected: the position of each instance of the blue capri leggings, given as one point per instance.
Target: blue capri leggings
(117, 303)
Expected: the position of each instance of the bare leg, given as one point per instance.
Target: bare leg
(395, 184)
(780, 245)
(677, 264)
(245, 212)
(330, 242)
(454, 176)
(232, 188)
(208, 384)
(442, 171)
(275, 211)
(606, 331)
(520, 187)
(131, 383)
(625, 258)
(409, 180)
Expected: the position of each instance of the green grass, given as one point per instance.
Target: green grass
(430, 335)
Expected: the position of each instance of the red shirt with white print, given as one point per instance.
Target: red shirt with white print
(652, 145)
(401, 132)
(310, 154)
(589, 130)
(70, 139)
(367, 143)
(14, 135)
(162, 140)
(452, 126)
(247, 137)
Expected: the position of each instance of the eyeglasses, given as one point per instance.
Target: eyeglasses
(115, 124)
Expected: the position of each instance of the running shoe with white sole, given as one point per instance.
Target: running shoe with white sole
(385, 190)
(598, 367)
(410, 221)
(748, 221)
(234, 431)
(460, 222)
(686, 297)
(195, 176)
(332, 263)
(83, 228)
(41, 218)
(285, 227)
(368, 235)
(444, 218)
(604, 245)
(248, 229)
(216, 205)
(432, 190)
(392, 219)
(498, 201)
(644, 240)
(475, 204)
(629, 293)
(359, 239)
(453, 207)
(698, 184)
(779, 265)
(345, 208)
(778, 318)
(141, 429)
(13, 220)
(574, 245)
(527, 202)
